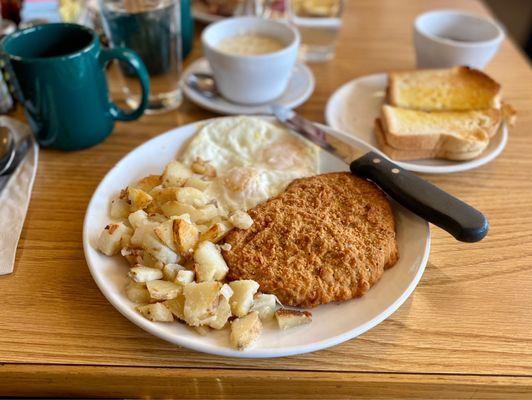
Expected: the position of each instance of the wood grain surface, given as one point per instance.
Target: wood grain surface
(465, 332)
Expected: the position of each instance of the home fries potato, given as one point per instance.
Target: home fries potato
(168, 229)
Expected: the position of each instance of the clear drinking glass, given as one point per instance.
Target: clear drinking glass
(318, 22)
(152, 28)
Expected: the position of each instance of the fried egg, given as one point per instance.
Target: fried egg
(254, 159)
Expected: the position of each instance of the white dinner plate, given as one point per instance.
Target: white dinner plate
(300, 87)
(353, 108)
(332, 323)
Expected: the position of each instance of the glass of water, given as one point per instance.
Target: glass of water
(152, 28)
(318, 22)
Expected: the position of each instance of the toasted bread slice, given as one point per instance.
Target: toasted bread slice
(453, 131)
(454, 89)
(419, 154)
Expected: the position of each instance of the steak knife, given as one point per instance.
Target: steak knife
(422, 198)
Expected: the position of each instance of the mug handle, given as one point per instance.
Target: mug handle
(130, 57)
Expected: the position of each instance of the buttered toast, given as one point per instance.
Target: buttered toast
(454, 89)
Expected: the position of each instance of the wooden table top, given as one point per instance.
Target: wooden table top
(466, 332)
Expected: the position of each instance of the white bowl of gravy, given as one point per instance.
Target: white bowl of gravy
(251, 58)
(445, 38)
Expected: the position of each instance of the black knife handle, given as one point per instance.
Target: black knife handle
(423, 198)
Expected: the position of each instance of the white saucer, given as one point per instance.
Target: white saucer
(353, 108)
(300, 87)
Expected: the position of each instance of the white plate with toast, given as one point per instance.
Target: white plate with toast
(353, 108)
(332, 323)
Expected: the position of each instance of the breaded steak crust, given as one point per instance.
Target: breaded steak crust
(325, 238)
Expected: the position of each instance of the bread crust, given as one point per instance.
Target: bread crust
(418, 154)
(326, 238)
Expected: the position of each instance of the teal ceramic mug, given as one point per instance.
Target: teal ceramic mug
(57, 71)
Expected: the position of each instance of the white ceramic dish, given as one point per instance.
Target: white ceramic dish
(332, 324)
(353, 108)
(300, 87)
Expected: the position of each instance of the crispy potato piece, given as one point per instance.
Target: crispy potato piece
(158, 250)
(199, 216)
(133, 256)
(291, 318)
(201, 301)
(185, 276)
(216, 232)
(170, 271)
(203, 167)
(185, 235)
(138, 199)
(198, 182)
(112, 238)
(138, 218)
(157, 217)
(245, 330)
(209, 263)
(242, 298)
(137, 292)
(177, 306)
(175, 174)
(241, 219)
(191, 196)
(147, 183)
(223, 312)
(163, 290)
(226, 291)
(265, 305)
(156, 312)
(162, 194)
(119, 209)
(140, 273)
(165, 233)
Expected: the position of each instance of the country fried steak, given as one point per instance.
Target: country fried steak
(325, 238)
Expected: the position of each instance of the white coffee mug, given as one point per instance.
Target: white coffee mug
(251, 79)
(445, 38)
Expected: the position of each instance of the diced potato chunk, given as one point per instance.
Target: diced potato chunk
(226, 291)
(165, 233)
(197, 215)
(185, 235)
(216, 232)
(242, 298)
(177, 306)
(175, 174)
(158, 250)
(138, 218)
(210, 265)
(156, 312)
(133, 256)
(241, 219)
(162, 194)
(202, 167)
(111, 239)
(141, 273)
(198, 182)
(147, 183)
(138, 199)
(223, 312)
(245, 330)
(137, 293)
(291, 318)
(184, 277)
(265, 305)
(191, 196)
(163, 290)
(119, 209)
(201, 301)
(170, 271)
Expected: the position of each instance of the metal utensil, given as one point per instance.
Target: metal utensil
(22, 149)
(7, 149)
(419, 196)
(203, 83)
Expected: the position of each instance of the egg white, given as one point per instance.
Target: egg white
(254, 159)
